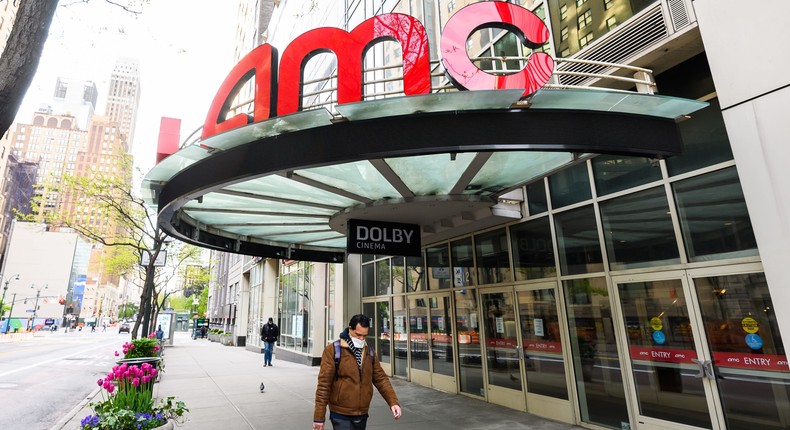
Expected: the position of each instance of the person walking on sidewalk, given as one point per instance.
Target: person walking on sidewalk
(349, 370)
(269, 334)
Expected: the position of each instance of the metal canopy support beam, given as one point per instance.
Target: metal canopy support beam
(392, 177)
(470, 172)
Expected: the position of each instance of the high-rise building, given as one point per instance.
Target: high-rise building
(123, 98)
(8, 11)
(75, 98)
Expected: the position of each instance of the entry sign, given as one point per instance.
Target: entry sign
(383, 238)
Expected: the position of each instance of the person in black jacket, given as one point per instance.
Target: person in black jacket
(269, 334)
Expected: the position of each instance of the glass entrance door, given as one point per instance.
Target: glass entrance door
(748, 357)
(502, 349)
(544, 357)
(431, 341)
(672, 382)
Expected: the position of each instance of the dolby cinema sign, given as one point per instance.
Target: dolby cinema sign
(275, 97)
(386, 238)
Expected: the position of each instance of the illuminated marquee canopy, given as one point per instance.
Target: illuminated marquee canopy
(281, 182)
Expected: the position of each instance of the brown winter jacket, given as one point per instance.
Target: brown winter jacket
(348, 395)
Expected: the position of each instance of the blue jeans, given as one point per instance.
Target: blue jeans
(268, 348)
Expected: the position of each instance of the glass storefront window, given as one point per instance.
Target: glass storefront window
(415, 274)
(463, 262)
(398, 275)
(533, 250)
(638, 230)
(536, 198)
(541, 338)
(330, 303)
(369, 309)
(713, 216)
(295, 327)
(596, 363)
(400, 337)
(616, 173)
(437, 260)
(705, 141)
(383, 332)
(418, 333)
(492, 257)
(570, 186)
(383, 277)
(442, 351)
(368, 280)
(744, 339)
(470, 362)
(577, 241)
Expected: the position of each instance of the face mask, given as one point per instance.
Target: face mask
(359, 343)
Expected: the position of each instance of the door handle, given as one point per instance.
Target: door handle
(700, 363)
(705, 369)
(707, 366)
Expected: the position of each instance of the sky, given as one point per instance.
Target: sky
(185, 50)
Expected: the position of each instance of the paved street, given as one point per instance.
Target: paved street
(221, 387)
(45, 375)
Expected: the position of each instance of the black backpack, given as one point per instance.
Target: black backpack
(336, 343)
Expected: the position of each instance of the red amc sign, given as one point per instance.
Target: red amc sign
(271, 99)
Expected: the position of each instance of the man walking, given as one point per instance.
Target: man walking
(349, 370)
(269, 334)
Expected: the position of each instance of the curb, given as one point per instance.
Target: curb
(70, 415)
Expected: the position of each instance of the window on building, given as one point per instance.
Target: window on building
(607, 4)
(584, 41)
(563, 12)
(611, 23)
(580, 2)
(584, 19)
(564, 34)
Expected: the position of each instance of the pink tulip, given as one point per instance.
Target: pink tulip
(146, 378)
(100, 382)
(111, 388)
(153, 372)
(136, 382)
(156, 348)
(116, 353)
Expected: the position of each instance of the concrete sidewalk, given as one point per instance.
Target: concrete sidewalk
(221, 387)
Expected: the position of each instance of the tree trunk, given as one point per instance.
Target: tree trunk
(22, 54)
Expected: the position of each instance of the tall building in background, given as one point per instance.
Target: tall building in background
(75, 98)
(251, 31)
(123, 97)
(8, 11)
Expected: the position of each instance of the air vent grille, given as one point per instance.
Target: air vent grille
(678, 13)
(619, 45)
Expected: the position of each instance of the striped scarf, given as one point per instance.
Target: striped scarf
(357, 351)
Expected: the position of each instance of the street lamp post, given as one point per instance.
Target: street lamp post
(5, 288)
(35, 308)
(11, 311)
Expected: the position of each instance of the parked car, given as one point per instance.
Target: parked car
(124, 328)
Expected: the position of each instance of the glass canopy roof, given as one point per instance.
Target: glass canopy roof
(447, 193)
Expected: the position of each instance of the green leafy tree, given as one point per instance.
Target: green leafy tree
(129, 235)
(127, 310)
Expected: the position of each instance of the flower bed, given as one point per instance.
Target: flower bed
(127, 393)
